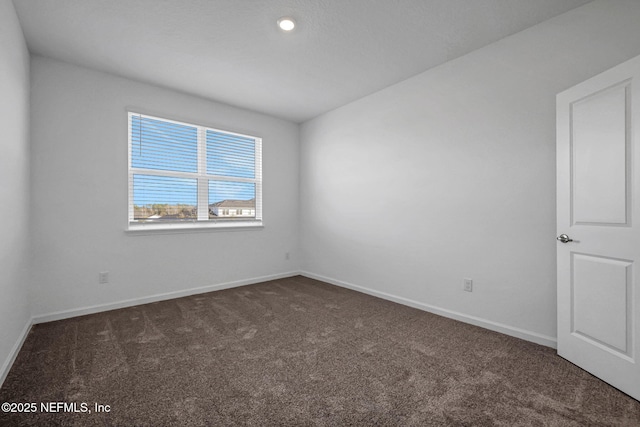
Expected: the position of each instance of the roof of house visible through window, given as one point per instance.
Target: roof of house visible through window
(235, 204)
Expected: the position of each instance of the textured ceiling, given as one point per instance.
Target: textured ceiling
(231, 50)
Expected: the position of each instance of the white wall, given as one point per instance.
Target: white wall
(79, 201)
(466, 153)
(14, 185)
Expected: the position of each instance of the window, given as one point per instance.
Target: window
(183, 176)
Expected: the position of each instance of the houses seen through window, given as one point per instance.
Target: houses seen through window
(182, 174)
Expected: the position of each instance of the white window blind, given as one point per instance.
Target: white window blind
(183, 175)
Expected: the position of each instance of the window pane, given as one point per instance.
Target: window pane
(156, 144)
(232, 200)
(230, 155)
(161, 198)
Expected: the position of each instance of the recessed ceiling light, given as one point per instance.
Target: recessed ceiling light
(286, 24)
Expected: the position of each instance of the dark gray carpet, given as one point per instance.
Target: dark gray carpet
(298, 352)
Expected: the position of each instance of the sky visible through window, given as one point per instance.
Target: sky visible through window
(168, 146)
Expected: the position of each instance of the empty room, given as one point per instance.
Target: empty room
(320, 212)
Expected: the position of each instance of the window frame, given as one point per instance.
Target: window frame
(203, 221)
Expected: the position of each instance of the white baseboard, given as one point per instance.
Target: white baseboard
(66, 314)
(477, 321)
(8, 363)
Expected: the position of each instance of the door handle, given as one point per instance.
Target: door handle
(564, 238)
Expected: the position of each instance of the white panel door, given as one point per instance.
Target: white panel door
(598, 190)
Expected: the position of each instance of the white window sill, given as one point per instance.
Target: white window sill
(191, 227)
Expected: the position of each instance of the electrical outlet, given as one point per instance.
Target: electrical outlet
(468, 285)
(103, 277)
